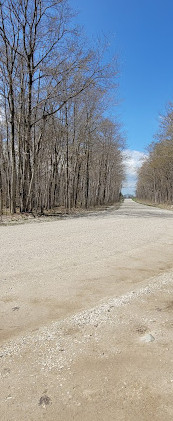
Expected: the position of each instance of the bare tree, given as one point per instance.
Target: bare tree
(52, 91)
(155, 178)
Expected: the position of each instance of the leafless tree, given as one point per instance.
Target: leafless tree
(155, 178)
(56, 148)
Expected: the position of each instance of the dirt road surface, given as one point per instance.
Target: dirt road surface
(86, 326)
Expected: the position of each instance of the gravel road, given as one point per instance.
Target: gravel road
(87, 317)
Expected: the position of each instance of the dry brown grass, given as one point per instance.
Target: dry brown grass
(167, 206)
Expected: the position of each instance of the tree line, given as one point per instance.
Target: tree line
(56, 146)
(155, 177)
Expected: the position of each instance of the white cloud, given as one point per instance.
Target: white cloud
(132, 160)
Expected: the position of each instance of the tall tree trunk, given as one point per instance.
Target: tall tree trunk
(13, 153)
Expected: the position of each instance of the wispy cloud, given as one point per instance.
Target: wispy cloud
(132, 161)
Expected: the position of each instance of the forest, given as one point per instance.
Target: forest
(155, 177)
(57, 148)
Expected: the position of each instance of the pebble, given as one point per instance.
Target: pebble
(148, 338)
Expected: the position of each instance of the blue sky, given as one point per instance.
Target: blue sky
(141, 34)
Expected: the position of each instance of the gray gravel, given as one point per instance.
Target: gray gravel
(81, 301)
